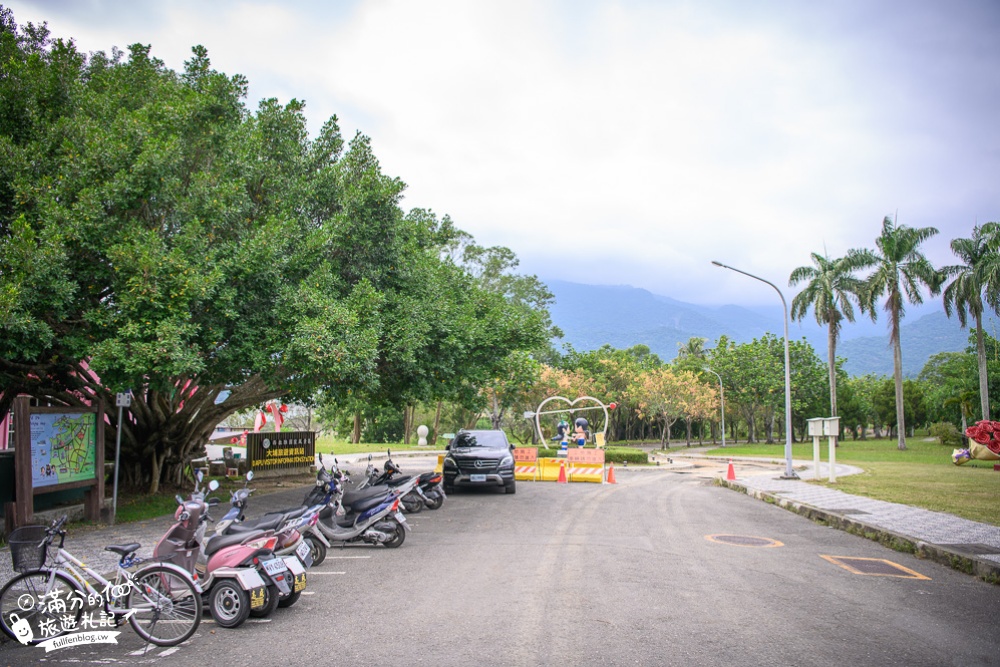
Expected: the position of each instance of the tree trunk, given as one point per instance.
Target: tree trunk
(356, 435)
(687, 424)
(897, 372)
(437, 423)
(984, 386)
(407, 423)
(831, 349)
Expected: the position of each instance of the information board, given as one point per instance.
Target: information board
(63, 448)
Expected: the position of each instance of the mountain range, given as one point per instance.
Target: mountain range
(622, 316)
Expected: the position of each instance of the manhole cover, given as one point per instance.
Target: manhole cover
(744, 540)
(877, 567)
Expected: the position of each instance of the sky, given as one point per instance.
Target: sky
(628, 142)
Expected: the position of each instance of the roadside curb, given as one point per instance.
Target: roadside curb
(986, 570)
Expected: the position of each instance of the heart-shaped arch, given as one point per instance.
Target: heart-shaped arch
(599, 405)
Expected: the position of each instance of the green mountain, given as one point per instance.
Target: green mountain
(622, 316)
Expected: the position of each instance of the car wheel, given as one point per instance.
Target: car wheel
(449, 488)
(510, 488)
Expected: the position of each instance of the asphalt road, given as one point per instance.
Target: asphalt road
(585, 574)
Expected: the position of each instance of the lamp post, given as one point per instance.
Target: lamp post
(722, 400)
(789, 472)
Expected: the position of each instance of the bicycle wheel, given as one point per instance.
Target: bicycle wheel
(42, 598)
(166, 603)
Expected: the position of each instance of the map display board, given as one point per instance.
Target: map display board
(63, 448)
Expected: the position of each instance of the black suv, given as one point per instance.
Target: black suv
(479, 458)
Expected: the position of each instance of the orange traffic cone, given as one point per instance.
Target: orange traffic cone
(562, 472)
(611, 474)
(730, 472)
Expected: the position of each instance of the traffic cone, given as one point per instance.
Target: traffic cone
(730, 472)
(562, 472)
(611, 474)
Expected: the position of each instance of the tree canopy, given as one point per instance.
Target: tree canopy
(158, 235)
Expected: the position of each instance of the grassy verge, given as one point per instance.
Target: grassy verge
(328, 445)
(922, 476)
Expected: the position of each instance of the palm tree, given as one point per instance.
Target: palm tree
(900, 272)
(694, 348)
(964, 294)
(831, 284)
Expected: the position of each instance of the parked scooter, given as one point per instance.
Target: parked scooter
(350, 516)
(428, 488)
(290, 545)
(412, 498)
(231, 576)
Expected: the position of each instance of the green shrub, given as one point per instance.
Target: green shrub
(946, 433)
(611, 454)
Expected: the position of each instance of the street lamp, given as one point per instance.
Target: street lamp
(722, 400)
(789, 472)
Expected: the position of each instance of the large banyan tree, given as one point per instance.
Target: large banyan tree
(157, 235)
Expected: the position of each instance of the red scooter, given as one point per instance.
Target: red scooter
(235, 573)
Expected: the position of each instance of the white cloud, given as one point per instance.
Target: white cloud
(628, 142)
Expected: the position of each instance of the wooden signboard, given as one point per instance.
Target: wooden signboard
(57, 449)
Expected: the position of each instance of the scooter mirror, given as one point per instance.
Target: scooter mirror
(213, 485)
(249, 475)
(199, 475)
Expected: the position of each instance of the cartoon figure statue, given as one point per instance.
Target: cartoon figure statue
(582, 433)
(561, 431)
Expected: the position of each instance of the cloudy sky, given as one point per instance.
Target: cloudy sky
(629, 142)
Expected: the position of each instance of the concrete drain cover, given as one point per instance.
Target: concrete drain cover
(975, 549)
(744, 541)
(877, 567)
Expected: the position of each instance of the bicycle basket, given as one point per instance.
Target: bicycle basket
(27, 547)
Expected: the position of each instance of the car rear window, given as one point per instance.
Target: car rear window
(494, 439)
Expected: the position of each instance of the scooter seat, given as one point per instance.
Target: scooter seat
(264, 523)
(218, 542)
(399, 481)
(352, 497)
(365, 503)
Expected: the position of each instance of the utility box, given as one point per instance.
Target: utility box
(828, 426)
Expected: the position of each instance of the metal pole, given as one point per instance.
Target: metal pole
(789, 471)
(123, 400)
(118, 449)
(722, 400)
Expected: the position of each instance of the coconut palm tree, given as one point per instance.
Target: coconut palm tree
(829, 291)
(964, 294)
(900, 274)
(694, 348)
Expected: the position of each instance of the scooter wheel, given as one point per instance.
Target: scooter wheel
(396, 539)
(229, 604)
(434, 502)
(290, 599)
(317, 550)
(271, 600)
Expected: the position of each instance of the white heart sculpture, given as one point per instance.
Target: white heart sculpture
(538, 424)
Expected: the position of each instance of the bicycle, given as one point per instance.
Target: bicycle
(160, 601)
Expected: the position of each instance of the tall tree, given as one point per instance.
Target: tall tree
(901, 272)
(831, 286)
(964, 294)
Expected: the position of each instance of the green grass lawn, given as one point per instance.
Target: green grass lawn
(922, 476)
(328, 445)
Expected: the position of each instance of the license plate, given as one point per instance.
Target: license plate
(303, 550)
(275, 566)
(477, 478)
